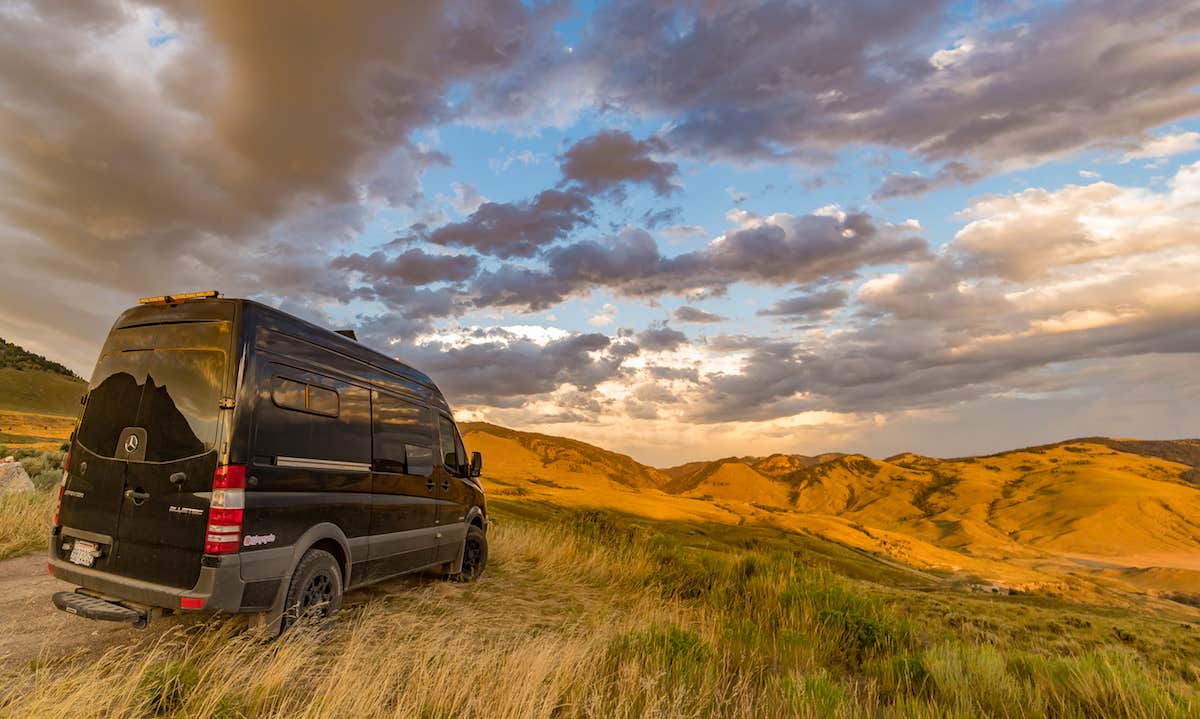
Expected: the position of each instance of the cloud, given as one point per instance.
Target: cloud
(682, 233)
(1164, 146)
(775, 250)
(771, 80)
(1077, 225)
(1110, 277)
(607, 160)
(411, 267)
(512, 229)
(809, 305)
(466, 198)
(518, 369)
(952, 173)
(661, 338)
(605, 316)
(139, 168)
(694, 314)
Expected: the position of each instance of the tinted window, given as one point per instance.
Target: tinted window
(450, 456)
(420, 459)
(292, 427)
(402, 436)
(322, 400)
(174, 393)
(289, 394)
(304, 397)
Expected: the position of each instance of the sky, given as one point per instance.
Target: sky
(679, 230)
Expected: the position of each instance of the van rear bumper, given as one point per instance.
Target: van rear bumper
(219, 588)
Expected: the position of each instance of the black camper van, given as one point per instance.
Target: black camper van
(230, 457)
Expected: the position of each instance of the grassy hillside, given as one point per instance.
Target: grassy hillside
(559, 455)
(39, 391)
(1081, 519)
(31, 383)
(683, 606)
(599, 614)
(16, 357)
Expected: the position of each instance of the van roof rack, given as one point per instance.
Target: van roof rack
(176, 299)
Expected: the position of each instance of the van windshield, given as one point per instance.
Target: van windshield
(166, 379)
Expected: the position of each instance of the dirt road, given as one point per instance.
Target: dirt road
(31, 629)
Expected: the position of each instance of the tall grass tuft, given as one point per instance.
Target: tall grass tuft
(25, 520)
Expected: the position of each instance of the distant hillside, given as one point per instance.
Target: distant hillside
(32, 383)
(16, 357)
(572, 456)
(1121, 513)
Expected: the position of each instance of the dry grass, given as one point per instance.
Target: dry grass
(25, 521)
(583, 615)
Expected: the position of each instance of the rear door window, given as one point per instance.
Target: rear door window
(154, 380)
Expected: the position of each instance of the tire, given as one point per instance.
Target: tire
(316, 589)
(474, 555)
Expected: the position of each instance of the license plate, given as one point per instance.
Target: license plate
(83, 553)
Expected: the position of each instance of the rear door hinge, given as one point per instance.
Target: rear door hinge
(226, 403)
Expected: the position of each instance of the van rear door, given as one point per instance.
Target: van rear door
(146, 449)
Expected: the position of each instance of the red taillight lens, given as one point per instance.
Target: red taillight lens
(62, 487)
(224, 531)
(191, 603)
(230, 476)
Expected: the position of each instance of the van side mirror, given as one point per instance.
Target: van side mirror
(476, 464)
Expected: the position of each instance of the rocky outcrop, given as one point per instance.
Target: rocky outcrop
(13, 477)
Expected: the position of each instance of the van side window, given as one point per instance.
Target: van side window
(304, 397)
(450, 455)
(289, 394)
(402, 438)
(311, 416)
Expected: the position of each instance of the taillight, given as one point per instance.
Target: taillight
(62, 487)
(191, 603)
(224, 531)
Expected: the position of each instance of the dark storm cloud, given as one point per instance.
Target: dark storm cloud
(904, 366)
(808, 305)
(661, 338)
(802, 80)
(608, 159)
(126, 163)
(694, 314)
(782, 249)
(413, 266)
(515, 368)
(900, 185)
(513, 229)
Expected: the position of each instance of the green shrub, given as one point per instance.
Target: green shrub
(48, 479)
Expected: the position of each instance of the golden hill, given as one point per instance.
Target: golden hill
(1082, 517)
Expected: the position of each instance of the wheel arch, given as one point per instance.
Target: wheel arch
(325, 536)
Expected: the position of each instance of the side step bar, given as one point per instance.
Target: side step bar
(85, 605)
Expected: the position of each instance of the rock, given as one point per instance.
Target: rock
(13, 478)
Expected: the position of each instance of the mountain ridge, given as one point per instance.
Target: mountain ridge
(1071, 517)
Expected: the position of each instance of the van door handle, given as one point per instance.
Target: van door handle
(429, 484)
(136, 496)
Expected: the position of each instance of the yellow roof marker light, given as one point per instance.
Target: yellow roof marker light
(176, 299)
